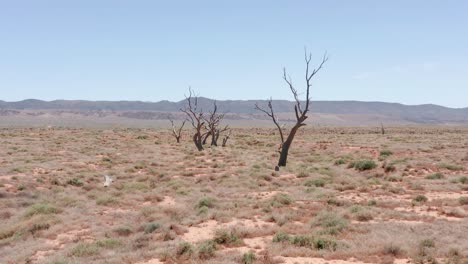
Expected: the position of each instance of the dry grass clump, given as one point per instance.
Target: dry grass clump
(307, 241)
(41, 209)
(435, 176)
(362, 165)
(94, 248)
(330, 222)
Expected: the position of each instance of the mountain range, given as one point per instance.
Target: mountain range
(322, 112)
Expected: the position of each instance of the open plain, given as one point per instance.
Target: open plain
(347, 195)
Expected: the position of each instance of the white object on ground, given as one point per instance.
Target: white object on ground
(108, 181)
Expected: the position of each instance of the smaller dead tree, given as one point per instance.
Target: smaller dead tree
(213, 122)
(299, 109)
(177, 132)
(196, 118)
(382, 129)
(226, 138)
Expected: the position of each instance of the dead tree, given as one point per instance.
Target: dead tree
(382, 129)
(177, 132)
(299, 110)
(213, 122)
(226, 138)
(196, 118)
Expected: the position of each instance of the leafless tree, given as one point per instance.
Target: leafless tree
(196, 117)
(213, 121)
(177, 132)
(299, 110)
(226, 138)
(382, 129)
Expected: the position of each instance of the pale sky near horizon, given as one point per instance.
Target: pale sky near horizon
(411, 52)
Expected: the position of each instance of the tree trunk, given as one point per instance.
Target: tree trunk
(198, 141)
(285, 147)
(214, 138)
(206, 137)
(225, 140)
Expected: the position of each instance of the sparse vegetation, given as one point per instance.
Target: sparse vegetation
(40, 209)
(420, 198)
(435, 176)
(463, 200)
(385, 153)
(363, 165)
(163, 208)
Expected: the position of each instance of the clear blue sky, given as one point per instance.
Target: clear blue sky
(411, 52)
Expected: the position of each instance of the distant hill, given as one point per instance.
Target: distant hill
(326, 112)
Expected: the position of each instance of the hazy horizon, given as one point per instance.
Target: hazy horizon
(404, 52)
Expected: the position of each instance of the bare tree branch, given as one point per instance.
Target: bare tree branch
(301, 113)
(177, 133)
(196, 118)
(271, 114)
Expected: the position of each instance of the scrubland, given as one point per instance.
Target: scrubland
(347, 195)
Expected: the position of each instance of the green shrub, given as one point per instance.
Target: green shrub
(364, 216)
(463, 200)
(38, 226)
(223, 236)
(281, 199)
(40, 208)
(205, 202)
(306, 241)
(340, 162)
(108, 243)
(123, 231)
(330, 222)
(325, 243)
(281, 237)
(206, 249)
(389, 168)
(75, 182)
(316, 182)
(334, 201)
(435, 176)
(84, 249)
(385, 153)
(151, 227)
(454, 256)
(89, 249)
(463, 180)
(248, 257)
(363, 165)
(420, 198)
(203, 210)
(184, 249)
(428, 243)
(106, 200)
(451, 167)
(302, 241)
(426, 251)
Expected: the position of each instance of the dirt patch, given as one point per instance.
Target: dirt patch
(168, 201)
(264, 195)
(60, 241)
(151, 261)
(428, 211)
(201, 232)
(302, 260)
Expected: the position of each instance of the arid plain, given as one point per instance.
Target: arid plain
(347, 195)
